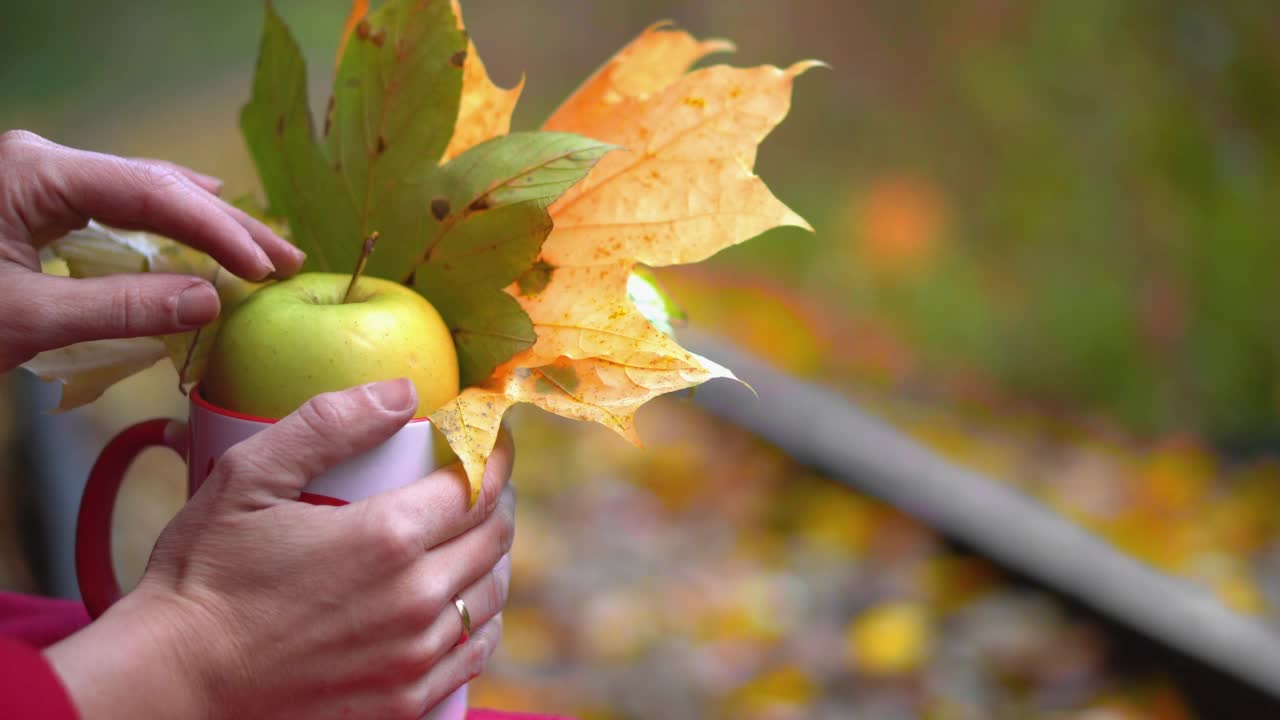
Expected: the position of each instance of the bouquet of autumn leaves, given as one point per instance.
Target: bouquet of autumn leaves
(531, 245)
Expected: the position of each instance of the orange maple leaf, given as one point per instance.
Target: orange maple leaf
(680, 190)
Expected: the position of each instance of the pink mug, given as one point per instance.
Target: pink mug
(404, 458)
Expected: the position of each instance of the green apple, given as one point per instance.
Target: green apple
(300, 337)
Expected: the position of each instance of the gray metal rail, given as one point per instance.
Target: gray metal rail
(823, 430)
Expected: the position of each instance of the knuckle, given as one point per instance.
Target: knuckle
(496, 627)
(323, 413)
(397, 539)
(125, 309)
(435, 686)
(504, 519)
(502, 585)
(418, 657)
(235, 464)
(154, 186)
(476, 655)
(490, 497)
(421, 606)
(496, 591)
(415, 614)
(506, 534)
(434, 595)
(155, 176)
(16, 141)
(405, 703)
(24, 172)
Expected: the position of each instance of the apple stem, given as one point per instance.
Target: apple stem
(365, 251)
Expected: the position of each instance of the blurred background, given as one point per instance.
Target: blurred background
(1045, 247)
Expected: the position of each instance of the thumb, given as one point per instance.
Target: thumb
(278, 462)
(60, 311)
(177, 436)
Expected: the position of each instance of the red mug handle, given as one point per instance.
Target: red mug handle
(95, 572)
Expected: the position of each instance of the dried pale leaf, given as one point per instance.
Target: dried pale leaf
(87, 369)
(485, 110)
(470, 424)
(97, 250)
(683, 189)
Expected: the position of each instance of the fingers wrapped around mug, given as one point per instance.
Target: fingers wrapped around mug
(476, 633)
(459, 582)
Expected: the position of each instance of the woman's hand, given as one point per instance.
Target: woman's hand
(47, 190)
(255, 605)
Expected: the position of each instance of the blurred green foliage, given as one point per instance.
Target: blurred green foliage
(1109, 169)
(1090, 183)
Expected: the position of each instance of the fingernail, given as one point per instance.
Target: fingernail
(197, 305)
(293, 263)
(214, 184)
(265, 263)
(393, 395)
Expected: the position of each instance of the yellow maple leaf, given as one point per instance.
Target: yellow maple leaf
(680, 190)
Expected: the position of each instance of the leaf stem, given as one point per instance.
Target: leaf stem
(365, 251)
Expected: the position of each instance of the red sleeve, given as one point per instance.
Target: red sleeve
(29, 689)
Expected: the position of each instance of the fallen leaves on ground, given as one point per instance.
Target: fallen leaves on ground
(710, 576)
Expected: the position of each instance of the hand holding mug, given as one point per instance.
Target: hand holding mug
(256, 605)
(253, 604)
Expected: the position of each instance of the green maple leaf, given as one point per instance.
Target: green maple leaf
(490, 221)
(299, 182)
(462, 231)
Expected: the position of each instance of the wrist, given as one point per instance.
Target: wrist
(142, 658)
